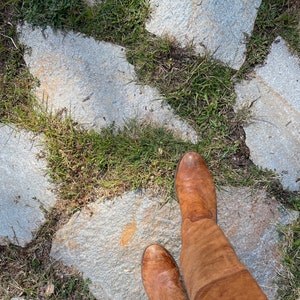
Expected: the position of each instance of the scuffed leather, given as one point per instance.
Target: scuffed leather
(195, 188)
(160, 275)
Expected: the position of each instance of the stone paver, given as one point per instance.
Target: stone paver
(106, 241)
(218, 28)
(94, 82)
(273, 129)
(24, 188)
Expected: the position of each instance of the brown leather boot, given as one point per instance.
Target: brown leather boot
(209, 265)
(195, 188)
(160, 275)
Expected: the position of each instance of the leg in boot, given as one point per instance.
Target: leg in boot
(160, 275)
(210, 267)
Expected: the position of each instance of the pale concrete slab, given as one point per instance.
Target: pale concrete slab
(25, 191)
(272, 97)
(106, 240)
(218, 28)
(94, 82)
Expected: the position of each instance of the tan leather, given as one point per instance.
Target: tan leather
(209, 265)
(160, 275)
(195, 188)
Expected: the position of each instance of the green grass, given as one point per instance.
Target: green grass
(31, 274)
(116, 21)
(290, 277)
(111, 161)
(275, 18)
(86, 165)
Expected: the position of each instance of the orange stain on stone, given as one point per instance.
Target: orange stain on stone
(72, 244)
(128, 233)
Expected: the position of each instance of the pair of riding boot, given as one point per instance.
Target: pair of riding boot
(209, 265)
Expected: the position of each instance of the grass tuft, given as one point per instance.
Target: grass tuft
(31, 274)
(117, 21)
(274, 18)
(16, 82)
(111, 161)
(289, 284)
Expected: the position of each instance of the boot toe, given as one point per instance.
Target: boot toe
(195, 188)
(160, 274)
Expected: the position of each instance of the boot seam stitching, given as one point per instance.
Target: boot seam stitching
(206, 287)
(198, 218)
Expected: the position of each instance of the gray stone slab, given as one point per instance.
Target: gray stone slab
(281, 72)
(215, 27)
(250, 219)
(272, 96)
(106, 240)
(25, 192)
(94, 82)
